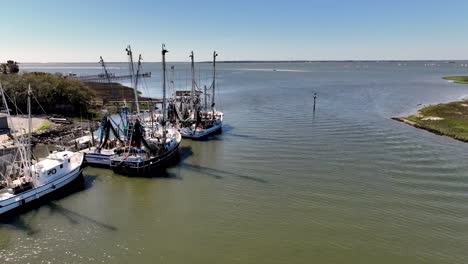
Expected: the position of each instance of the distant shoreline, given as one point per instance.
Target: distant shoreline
(260, 61)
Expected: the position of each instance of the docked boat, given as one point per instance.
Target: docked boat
(146, 153)
(207, 125)
(99, 155)
(147, 148)
(24, 180)
(199, 120)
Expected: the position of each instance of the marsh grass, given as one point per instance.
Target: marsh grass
(457, 79)
(453, 119)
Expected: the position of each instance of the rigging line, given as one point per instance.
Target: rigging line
(37, 101)
(8, 97)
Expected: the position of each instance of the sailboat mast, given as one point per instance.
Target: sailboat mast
(163, 52)
(214, 81)
(106, 72)
(132, 73)
(29, 122)
(138, 72)
(105, 69)
(192, 94)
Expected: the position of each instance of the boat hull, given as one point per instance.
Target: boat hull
(144, 168)
(201, 134)
(97, 159)
(25, 198)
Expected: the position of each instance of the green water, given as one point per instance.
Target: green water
(280, 184)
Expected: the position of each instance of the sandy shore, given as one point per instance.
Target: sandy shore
(20, 124)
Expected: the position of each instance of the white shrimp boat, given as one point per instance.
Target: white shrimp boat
(48, 175)
(199, 121)
(211, 126)
(24, 181)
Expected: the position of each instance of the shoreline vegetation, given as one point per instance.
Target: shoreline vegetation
(457, 79)
(58, 95)
(448, 119)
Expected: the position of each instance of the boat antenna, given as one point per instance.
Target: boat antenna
(163, 52)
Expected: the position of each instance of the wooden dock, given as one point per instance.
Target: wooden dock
(101, 78)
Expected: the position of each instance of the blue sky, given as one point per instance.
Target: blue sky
(68, 31)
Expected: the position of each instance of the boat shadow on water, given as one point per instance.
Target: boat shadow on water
(16, 219)
(220, 174)
(228, 132)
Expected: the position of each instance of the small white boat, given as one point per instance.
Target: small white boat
(98, 157)
(205, 128)
(48, 175)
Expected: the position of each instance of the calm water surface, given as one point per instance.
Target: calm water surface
(280, 184)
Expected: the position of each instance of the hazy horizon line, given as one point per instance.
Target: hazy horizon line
(258, 61)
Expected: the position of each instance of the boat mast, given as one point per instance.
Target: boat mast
(132, 73)
(214, 82)
(192, 94)
(138, 72)
(163, 52)
(29, 153)
(29, 121)
(103, 64)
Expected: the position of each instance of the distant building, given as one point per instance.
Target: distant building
(9, 67)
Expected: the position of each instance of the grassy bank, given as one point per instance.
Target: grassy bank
(45, 125)
(457, 79)
(449, 119)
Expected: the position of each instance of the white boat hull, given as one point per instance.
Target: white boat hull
(189, 133)
(29, 196)
(94, 158)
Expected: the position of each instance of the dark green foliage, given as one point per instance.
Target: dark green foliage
(56, 94)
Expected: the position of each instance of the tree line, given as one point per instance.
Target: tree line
(56, 94)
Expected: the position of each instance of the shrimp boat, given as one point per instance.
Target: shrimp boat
(24, 180)
(148, 148)
(99, 155)
(200, 121)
